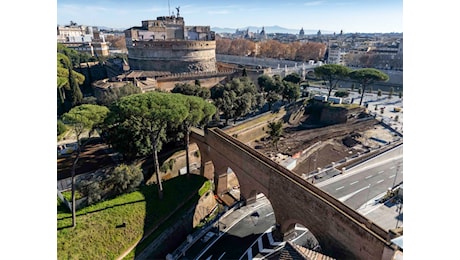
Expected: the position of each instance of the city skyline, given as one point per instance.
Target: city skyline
(327, 15)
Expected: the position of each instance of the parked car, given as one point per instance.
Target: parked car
(66, 149)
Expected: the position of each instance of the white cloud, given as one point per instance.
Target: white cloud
(219, 12)
(313, 3)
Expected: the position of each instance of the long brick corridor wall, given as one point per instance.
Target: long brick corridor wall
(341, 231)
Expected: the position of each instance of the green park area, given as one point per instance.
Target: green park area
(109, 228)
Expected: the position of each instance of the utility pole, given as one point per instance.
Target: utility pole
(396, 175)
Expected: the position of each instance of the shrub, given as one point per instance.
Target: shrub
(125, 178)
(61, 127)
(92, 190)
(168, 166)
(341, 93)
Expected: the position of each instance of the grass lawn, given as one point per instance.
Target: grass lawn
(97, 236)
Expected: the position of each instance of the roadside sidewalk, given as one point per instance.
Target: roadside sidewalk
(387, 215)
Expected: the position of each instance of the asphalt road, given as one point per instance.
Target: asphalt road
(242, 228)
(361, 185)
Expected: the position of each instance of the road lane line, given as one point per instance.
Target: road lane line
(381, 172)
(368, 177)
(380, 181)
(354, 182)
(389, 177)
(392, 167)
(339, 188)
(269, 214)
(222, 255)
(344, 198)
(363, 167)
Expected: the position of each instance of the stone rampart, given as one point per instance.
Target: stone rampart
(173, 56)
(207, 79)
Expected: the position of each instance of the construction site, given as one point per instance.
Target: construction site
(309, 144)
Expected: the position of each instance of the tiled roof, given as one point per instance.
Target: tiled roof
(296, 252)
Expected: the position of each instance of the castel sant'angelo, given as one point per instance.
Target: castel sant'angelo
(166, 44)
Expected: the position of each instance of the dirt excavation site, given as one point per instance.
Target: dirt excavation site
(303, 148)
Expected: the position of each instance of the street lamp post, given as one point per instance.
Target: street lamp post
(396, 175)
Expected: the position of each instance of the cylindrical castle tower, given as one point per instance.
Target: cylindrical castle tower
(166, 44)
(173, 56)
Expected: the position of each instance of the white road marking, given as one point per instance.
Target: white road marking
(381, 172)
(354, 182)
(392, 167)
(269, 214)
(389, 177)
(368, 176)
(339, 188)
(222, 255)
(380, 181)
(344, 198)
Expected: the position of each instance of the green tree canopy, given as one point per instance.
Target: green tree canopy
(291, 91)
(192, 90)
(73, 55)
(293, 77)
(68, 83)
(273, 88)
(367, 77)
(137, 124)
(275, 130)
(265, 82)
(111, 95)
(85, 117)
(136, 120)
(332, 73)
(200, 112)
(236, 98)
(81, 118)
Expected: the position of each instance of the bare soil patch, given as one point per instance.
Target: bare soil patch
(95, 155)
(319, 147)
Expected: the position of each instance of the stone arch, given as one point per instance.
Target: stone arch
(215, 168)
(341, 231)
(289, 225)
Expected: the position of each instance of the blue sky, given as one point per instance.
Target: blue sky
(326, 15)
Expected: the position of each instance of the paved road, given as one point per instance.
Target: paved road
(357, 189)
(238, 231)
(378, 173)
(364, 185)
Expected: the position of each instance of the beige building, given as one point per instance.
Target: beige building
(83, 39)
(75, 33)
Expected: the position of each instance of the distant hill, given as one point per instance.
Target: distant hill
(268, 29)
(105, 28)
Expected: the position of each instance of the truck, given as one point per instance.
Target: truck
(322, 98)
(335, 100)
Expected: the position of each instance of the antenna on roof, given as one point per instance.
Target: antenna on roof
(169, 8)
